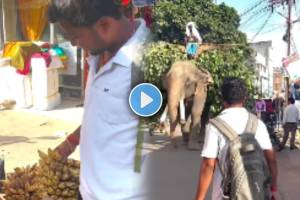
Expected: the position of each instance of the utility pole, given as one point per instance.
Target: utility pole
(289, 27)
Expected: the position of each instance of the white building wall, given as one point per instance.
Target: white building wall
(264, 67)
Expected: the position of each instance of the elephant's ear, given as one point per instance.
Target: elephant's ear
(201, 86)
(201, 76)
(205, 76)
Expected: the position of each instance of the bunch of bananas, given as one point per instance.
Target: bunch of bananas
(58, 178)
(55, 178)
(22, 184)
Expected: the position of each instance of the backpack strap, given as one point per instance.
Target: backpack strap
(227, 132)
(224, 128)
(251, 124)
(137, 76)
(138, 149)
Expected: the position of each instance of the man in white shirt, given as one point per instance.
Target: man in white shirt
(290, 123)
(234, 93)
(108, 133)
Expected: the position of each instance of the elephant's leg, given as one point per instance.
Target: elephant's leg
(186, 130)
(175, 93)
(173, 126)
(163, 121)
(198, 105)
(173, 112)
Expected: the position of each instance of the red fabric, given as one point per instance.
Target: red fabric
(26, 69)
(46, 46)
(85, 69)
(269, 106)
(73, 139)
(46, 56)
(273, 189)
(125, 2)
(148, 16)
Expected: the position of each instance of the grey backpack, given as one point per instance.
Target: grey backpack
(245, 172)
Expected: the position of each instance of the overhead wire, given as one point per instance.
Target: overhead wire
(273, 29)
(248, 10)
(270, 28)
(262, 26)
(259, 13)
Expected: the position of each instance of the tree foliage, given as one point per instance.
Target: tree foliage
(218, 24)
(220, 63)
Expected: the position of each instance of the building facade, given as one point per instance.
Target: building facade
(263, 68)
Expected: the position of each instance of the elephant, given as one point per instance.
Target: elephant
(186, 86)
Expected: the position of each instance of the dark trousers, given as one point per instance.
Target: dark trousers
(289, 127)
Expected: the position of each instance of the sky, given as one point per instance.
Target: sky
(274, 29)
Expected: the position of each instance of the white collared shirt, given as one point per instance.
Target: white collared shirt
(215, 144)
(109, 128)
(291, 114)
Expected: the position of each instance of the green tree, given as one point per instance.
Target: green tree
(217, 24)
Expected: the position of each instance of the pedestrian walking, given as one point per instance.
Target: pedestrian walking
(278, 102)
(237, 152)
(290, 124)
(260, 106)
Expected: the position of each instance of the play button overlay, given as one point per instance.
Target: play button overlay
(145, 100)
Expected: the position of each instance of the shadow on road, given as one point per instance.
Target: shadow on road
(6, 140)
(170, 173)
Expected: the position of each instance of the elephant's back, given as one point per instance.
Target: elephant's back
(181, 67)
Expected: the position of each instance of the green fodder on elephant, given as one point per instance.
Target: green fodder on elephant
(158, 60)
(218, 25)
(232, 61)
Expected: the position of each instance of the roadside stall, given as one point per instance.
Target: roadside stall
(35, 58)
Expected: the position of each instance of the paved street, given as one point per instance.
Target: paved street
(173, 173)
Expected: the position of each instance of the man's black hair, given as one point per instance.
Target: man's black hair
(233, 90)
(291, 100)
(83, 12)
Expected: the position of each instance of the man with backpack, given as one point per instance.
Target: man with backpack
(237, 151)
